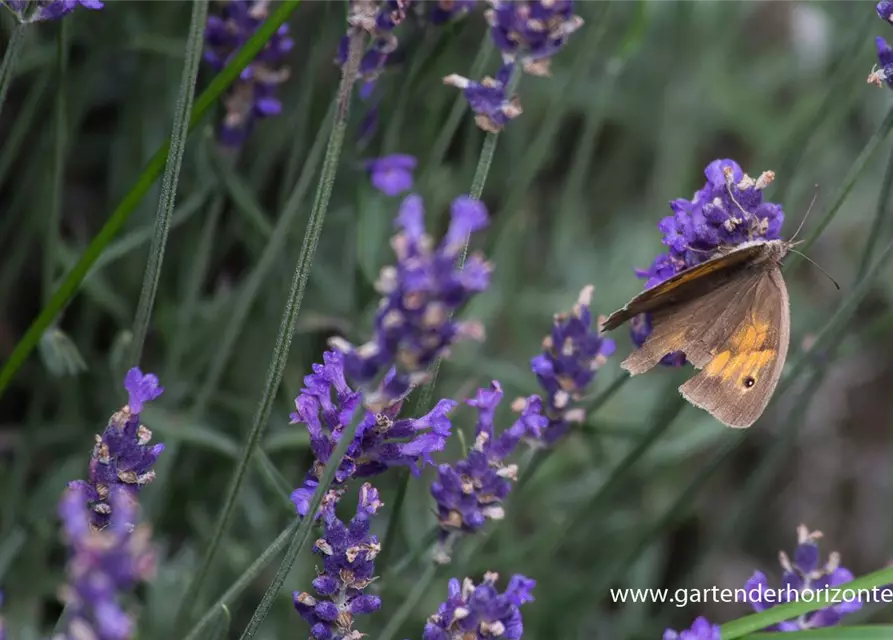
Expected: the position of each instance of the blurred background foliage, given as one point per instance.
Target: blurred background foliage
(643, 97)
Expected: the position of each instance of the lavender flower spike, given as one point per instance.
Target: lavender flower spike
(805, 574)
(122, 457)
(103, 565)
(532, 31)
(727, 211)
(472, 491)
(348, 553)
(481, 612)
(489, 98)
(253, 95)
(326, 405)
(700, 630)
(879, 76)
(379, 18)
(572, 354)
(44, 10)
(414, 324)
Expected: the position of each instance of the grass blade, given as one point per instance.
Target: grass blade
(10, 58)
(168, 196)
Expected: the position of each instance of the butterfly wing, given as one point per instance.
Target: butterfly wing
(685, 285)
(736, 384)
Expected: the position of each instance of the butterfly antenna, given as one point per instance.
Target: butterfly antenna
(817, 266)
(815, 195)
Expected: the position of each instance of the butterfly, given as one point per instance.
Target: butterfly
(731, 316)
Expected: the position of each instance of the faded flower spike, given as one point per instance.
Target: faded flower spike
(122, 456)
(392, 175)
(727, 211)
(533, 31)
(348, 553)
(102, 566)
(805, 574)
(326, 405)
(379, 18)
(481, 612)
(489, 99)
(572, 354)
(471, 492)
(414, 324)
(253, 95)
(443, 11)
(700, 630)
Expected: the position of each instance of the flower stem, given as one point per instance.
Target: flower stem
(168, 197)
(55, 212)
(289, 315)
(247, 577)
(10, 59)
(128, 205)
(301, 534)
(420, 587)
(855, 171)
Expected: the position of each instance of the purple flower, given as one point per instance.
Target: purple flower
(102, 566)
(326, 405)
(472, 491)
(532, 31)
(572, 354)
(700, 630)
(802, 575)
(348, 554)
(379, 18)
(44, 10)
(253, 95)
(392, 175)
(443, 11)
(885, 58)
(122, 457)
(415, 324)
(885, 10)
(727, 211)
(481, 612)
(489, 99)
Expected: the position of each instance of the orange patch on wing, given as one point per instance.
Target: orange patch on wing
(740, 366)
(750, 337)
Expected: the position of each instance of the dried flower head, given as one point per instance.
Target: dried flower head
(727, 211)
(572, 354)
(392, 175)
(480, 612)
(348, 553)
(253, 95)
(804, 574)
(415, 324)
(122, 457)
(43, 10)
(471, 491)
(532, 31)
(326, 405)
(489, 99)
(102, 566)
(700, 630)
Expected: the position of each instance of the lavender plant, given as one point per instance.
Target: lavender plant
(701, 629)
(805, 574)
(392, 175)
(45, 10)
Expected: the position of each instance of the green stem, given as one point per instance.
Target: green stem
(289, 316)
(855, 171)
(59, 145)
(128, 205)
(168, 197)
(420, 587)
(247, 577)
(302, 533)
(876, 632)
(10, 58)
(877, 225)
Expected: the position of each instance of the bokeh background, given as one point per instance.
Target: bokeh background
(643, 97)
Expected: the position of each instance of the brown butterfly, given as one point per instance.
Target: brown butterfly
(731, 317)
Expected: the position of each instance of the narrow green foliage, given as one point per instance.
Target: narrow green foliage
(10, 59)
